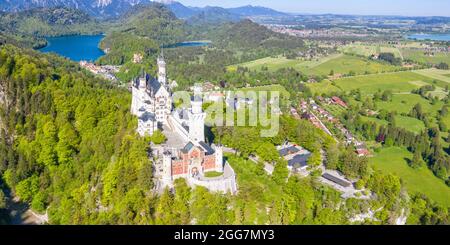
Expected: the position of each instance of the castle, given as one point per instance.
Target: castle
(186, 154)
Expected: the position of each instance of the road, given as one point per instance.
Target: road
(21, 214)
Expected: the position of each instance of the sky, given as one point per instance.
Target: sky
(359, 7)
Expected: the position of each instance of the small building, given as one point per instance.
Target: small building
(208, 86)
(296, 156)
(361, 150)
(336, 100)
(336, 180)
(215, 96)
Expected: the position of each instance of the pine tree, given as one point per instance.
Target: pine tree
(280, 172)
(417, 160)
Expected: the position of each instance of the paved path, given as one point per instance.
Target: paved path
(21, 214)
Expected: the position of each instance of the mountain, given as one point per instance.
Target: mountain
(250, 11)
(29, 26)
(99, 8)
(181, 11)
(213, 15)
(114, 8)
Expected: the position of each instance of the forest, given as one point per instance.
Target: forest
(69, 148)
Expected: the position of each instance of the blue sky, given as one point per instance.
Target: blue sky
(362, 7)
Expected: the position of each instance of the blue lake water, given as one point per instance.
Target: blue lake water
(76, 48)
(435, 37)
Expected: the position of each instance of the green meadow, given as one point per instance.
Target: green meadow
(421, 57)
(411, 124)
(395, 160)
(368, 50)
(442, 75)
(273, 87)
(338, 63)
(346, 64)
(326, 86)
(403, 103)
(397, 82)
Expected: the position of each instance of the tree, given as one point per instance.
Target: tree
(315, 159)
(280, 172)
(267, 152)
(68, 143)
(442, 66)
(2, 199)
(444, 111)
(164, 214)
(158, 137)
(182, 200)
(27, 188)
(417, 160)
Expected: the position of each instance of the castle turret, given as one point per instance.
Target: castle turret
(167, 167)
(162, 70)
(219, 157)
(197, 118)
(142, 83)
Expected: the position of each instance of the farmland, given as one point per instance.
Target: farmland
(442, 75)
(338, 63)
(420, 57)
(398, 82)
(368, 50)
(395, 160)
(403, 103)
(348, 64)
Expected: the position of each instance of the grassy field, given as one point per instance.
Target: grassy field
(346, 64)
(410, 124)
(335, 110)
(419, 56)
(403, 103)
(340, 64)
(395, 160)
(397, 82)
(275, 63)
(442, 75)
(325, 86)
(375, 120)
(274, 87)
(368, 50)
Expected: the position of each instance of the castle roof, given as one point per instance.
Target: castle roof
(147, 116)
(208, 150)
(152, 84)
(202, 146)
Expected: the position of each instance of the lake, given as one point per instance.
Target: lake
(435, 37)
(76, 48)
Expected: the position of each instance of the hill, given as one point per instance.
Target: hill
(249, 35)
(27, 27)
(154, 21)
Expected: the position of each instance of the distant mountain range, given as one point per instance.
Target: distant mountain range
(185, 12)
(113, 8)
(97, 8)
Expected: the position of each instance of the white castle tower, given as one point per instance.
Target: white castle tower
(218, 151)
(162, 78)
(167, 167)
(197, 117)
